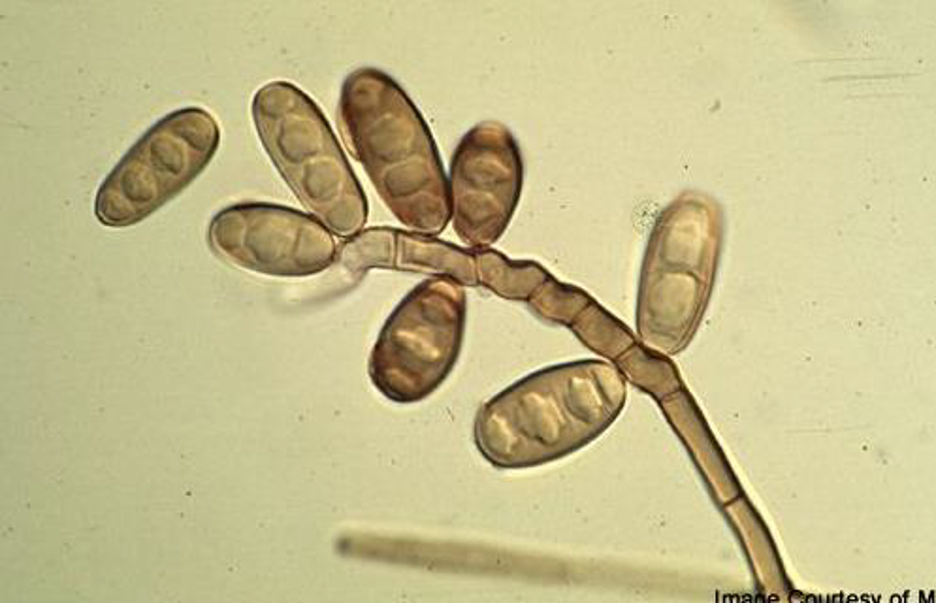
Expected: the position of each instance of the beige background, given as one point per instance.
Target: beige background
(172, 428)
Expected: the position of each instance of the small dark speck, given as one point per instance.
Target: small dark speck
(685, 166)
(230, 569)
(301, 417)
(925, 179)
(552, 189)
(337, 412)
(864, 447)
(146, 86)
(867, 206)
(860, 323)
(181, 514)
(715, 106)
(283, 50)
(883, 458)
(808, 358)
(735, 415)
(188, 493)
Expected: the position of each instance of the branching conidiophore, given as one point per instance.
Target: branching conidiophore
(550, 413)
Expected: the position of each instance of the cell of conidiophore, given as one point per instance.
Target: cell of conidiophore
(382, 247)
(762, 549)
(550, 413)
(486, 178)
(272, 239)
(165, 159)
(299, 140)
(678, 272)
(373, 247)
(420, 341)
(600, 330)
(560, 302)
(511, 279)
(650, 370)
(388, 135)
(426, 254)
(682, 411)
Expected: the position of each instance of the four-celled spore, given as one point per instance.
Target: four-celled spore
(486, 180)
(165, 159)
(302, 146)
(272, 239)
(550, 413)
(420, 341)
(678, 271)
(385, 131)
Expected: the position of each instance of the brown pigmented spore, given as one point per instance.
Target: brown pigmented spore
(678, 271)
(550, 413)
(300, 142)
(487, 175)
(384, 130)
(271, 239)
(160, 164)
(419, 341)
